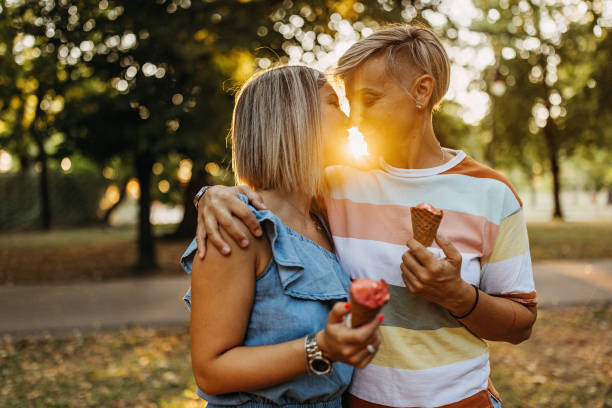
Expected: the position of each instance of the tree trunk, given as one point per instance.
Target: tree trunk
(189, 223)
(551, 135)
(45, 199)
(146, 246)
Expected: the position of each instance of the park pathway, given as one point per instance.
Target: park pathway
(33, 310)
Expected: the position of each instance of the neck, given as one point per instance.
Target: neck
(286, 202)
(419, 149)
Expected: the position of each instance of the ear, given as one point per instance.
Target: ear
(423, 89)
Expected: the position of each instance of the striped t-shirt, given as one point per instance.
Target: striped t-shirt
(427, 358)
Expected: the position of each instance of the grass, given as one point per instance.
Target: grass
(570, 240)
(565, 364)
(91, 254)
(99, 253)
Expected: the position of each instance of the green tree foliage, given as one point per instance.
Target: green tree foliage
(545, 63)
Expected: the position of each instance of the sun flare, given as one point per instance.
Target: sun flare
(357, 145)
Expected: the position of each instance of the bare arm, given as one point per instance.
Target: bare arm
(439, 281)
(222, 297)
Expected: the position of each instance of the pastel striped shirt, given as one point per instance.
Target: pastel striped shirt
(427, 358)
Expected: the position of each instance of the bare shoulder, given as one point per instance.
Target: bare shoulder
(258, 250)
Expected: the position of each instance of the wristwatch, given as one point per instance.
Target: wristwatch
(318, 364)
(199, 194)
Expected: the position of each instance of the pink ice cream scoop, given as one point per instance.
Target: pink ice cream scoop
(367, 298)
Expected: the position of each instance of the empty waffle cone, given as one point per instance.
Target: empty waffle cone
(361, 314)
(425, 225)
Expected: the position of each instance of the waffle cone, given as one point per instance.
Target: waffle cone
(424, 225)
(361, 314)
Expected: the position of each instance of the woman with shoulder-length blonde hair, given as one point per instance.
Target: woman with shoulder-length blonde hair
(445, 299)
(267, 321)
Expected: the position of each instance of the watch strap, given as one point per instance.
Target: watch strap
(198, 196)
(314, 353)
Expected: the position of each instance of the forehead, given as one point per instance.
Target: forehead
(371, 74)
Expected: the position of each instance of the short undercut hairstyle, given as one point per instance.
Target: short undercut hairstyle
(277, 141)
(407, 48)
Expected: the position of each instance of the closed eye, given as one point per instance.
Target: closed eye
(333, 101)
(369, 101)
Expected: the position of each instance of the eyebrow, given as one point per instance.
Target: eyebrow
(368, 90)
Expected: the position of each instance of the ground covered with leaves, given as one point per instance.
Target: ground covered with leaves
(566, 364)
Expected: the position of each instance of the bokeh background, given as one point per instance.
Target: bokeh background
(114, 113)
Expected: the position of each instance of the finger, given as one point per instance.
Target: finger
(411, 281)
(452, 253)
(337, 313)
(361, 334)
(214, 236)
(242, 211)
(201, 239)
(364, 356)
(253, 196)
(373, 339)
(421, 253)
(413, 265)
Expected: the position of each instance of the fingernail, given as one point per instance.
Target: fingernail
(263, 205)
(347, 305)
(258, 232)
(381, 318)
(225, 250)
(244, 243)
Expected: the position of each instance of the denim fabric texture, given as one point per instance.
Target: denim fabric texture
(496, 403)
(292, 299)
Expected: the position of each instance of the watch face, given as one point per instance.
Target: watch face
(320, 365)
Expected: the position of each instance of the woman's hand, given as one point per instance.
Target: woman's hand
(437, 280)
(347, 345)
(216, 209)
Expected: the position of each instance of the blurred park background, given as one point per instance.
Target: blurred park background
(113, 114)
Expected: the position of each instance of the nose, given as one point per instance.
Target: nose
(355, 116)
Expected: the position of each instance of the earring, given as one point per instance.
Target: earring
(419, 105)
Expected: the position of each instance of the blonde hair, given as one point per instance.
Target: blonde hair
(404, 46)
(277, 142)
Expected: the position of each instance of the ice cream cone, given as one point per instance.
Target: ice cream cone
(425, 225)
(362, 314)
(367, 298)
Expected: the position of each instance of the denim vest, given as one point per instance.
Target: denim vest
(292, 299)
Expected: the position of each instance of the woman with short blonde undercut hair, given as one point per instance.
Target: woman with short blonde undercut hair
(408, 50)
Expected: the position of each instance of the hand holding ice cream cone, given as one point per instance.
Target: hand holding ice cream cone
(425, 222)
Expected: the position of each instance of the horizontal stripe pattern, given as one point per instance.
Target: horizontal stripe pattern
(469, 233)
(408, 311)
(433, 387)
(380, 260)
(422, 349)
(450, 192)
(427, 358)
(511, 240)
(510, 275)
(470, 167)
